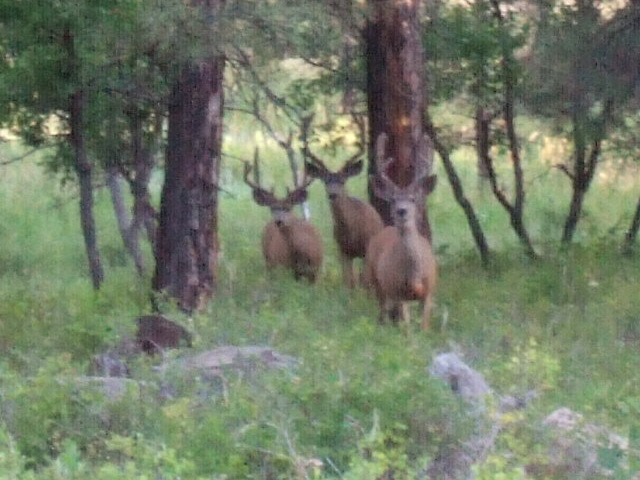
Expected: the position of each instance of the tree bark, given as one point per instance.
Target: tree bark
(395, 91)
(187, 237)
(83, 169)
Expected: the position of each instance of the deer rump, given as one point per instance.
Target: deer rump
(296, 246)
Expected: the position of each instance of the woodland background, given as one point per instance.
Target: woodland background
(110, 107)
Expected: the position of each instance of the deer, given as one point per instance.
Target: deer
(355, 222)
(287, 240)
(399, 264)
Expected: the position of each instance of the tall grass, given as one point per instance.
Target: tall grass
(567, 327)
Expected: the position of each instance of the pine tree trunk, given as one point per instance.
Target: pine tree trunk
(395, 91)
(187, 237)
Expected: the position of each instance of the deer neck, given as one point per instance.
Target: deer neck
(339, 208)
(411, 251)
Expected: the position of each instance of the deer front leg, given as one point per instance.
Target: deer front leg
(426, 311)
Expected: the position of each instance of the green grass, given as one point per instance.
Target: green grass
(361, 400)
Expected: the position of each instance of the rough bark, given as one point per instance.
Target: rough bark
(395, 92)
(187, 238)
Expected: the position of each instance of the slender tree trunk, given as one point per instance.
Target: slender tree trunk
(514, 208)
(144, 215)
(632, 233)
(395, 91)
(187, 237)
(585, 163)
(483, 141)
(125, 225)
(83, 169)
(458, 192)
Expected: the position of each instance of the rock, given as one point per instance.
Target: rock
(156, 333)
(462, 379)
(575, 448)
(213, 361)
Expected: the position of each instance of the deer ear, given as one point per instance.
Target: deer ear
(429, 184)
(299, 195)
(352, 169)
(313, 170)
(262, 197)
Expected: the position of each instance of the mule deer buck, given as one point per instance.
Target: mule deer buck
(399, 264)
(288, 241)
(355, 222)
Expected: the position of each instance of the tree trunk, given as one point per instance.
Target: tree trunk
(483, 121)
(125, 225)
(187, 237)
(83, 169)
(458, 192)
(632, 233)
(395, 91)
(585, 163)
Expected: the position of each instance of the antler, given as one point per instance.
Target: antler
(382, 162)
(424, 159)
(255, 186)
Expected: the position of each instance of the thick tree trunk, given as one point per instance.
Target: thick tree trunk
(395, 91)
(83, 169)
(187, 238)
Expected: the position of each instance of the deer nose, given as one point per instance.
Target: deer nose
(401, 212)
(333, 196)
(279, 223)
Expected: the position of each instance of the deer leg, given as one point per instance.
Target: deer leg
(347, 271)
(426, 311)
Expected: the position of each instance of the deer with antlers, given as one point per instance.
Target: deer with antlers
(288, 241)
(399, 263)
(355, 222)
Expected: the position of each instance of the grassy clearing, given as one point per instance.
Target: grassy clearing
(361, 401)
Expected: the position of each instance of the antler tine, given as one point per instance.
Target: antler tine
(382, 162)
(306, 151)
(255, 185)
(424, 159)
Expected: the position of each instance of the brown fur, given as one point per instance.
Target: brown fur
(287, 240)
(354, 222)
(400, 265)
(296, 245)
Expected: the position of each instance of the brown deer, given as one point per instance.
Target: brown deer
(288, 241)
(354, 222)
(399, 264)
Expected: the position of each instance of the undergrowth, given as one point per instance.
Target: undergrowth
(360, 402)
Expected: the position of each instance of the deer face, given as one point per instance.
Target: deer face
(333, 181)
